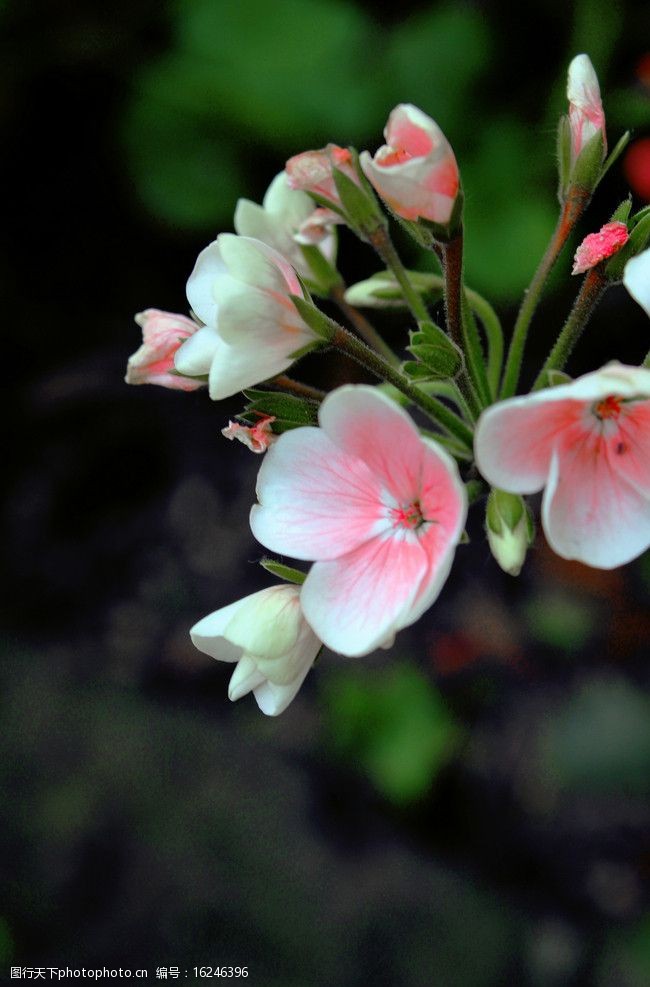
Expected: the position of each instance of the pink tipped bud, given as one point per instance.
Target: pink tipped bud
(415, 172)
(311, 171)
(586, 116)
(598, 246)
(162, 335)
(317, 227)
(257, 437)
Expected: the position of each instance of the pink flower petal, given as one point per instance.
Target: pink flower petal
(316, 501)
(598, 246)
(358, 600)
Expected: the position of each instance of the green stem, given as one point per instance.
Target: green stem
(383, 244)
(434, 409)
(461, 326)
(574, 205)
(297, 387)
(588, 297)
(646, 362)
(494, 335)
(365, 329)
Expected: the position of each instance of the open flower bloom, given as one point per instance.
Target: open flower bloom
(378, 506)
(256, 437)
(240, 288)
(280, 220)
(311, 171)
(586, 116)
(636, 278)
(598, 246)
(162, 335)
(415, 172)
(268, 637)
(587, 444)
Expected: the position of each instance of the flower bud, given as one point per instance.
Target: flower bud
(596, 247)
(509, 530)
(312, 172)
(162, 335)
(269, 638)
(586, 116)
(415, 172)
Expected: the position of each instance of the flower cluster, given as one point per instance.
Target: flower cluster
(350, 481)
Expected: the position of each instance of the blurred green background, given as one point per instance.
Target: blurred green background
(470, 809)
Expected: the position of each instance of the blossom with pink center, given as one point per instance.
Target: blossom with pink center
(587, 445)
(598, 246)
(415, 172)
(636, 278)
(240, 289)
(311, 171)
(256, 437)
(586, 116)
(281, 219)
(269, 638)
(162, 335)
(379, 508)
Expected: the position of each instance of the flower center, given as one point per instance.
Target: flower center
(407, 517)
(396, 155)
(609, 407)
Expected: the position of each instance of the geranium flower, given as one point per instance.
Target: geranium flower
(415, 171)
(162, 335)
(379, 508)
(587, 444)
(268, 637)
(240, 289)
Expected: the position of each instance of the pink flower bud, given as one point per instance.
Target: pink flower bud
(162, 335)
(311, 171)
(598, 246)
(317, 227)
(415, 172)
(586, 116)
(257, 437)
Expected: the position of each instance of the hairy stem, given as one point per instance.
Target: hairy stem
(573, 207)
(588, 297)
(297, 387)
(365, 329)
(384, 246)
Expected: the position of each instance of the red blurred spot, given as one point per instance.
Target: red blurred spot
(642, 70)
(636, 167)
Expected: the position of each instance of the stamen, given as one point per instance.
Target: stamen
(609, 407)
(407, 517)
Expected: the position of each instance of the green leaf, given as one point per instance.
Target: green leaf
(432, 347)
(285, 572)
(288, 410)
(360, 204)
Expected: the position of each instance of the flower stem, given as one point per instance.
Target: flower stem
(384, 246)
(461, 326)
(494, 334)
(365, 329)
(574, 205)
(297, 387)
(431, 406)
(588, 297)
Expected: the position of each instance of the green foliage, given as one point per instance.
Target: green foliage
(394, 725)
(288, 411)
(285, 572)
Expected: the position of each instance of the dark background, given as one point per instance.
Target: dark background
(468, 810)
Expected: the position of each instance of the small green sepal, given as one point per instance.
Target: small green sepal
(288, 410)
(317, 321)
(433, 348)
(285, 572)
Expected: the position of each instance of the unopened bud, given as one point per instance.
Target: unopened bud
(509, 529)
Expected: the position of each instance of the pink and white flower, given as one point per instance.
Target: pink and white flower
(636, 278)
(162, 335)
(379, 508)
(281, 219)
(240, 289)
(587, 444)
(268, 637)
(256, 437)
(415, 172)
(311, 171)
(599, 246)
(586, 116)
